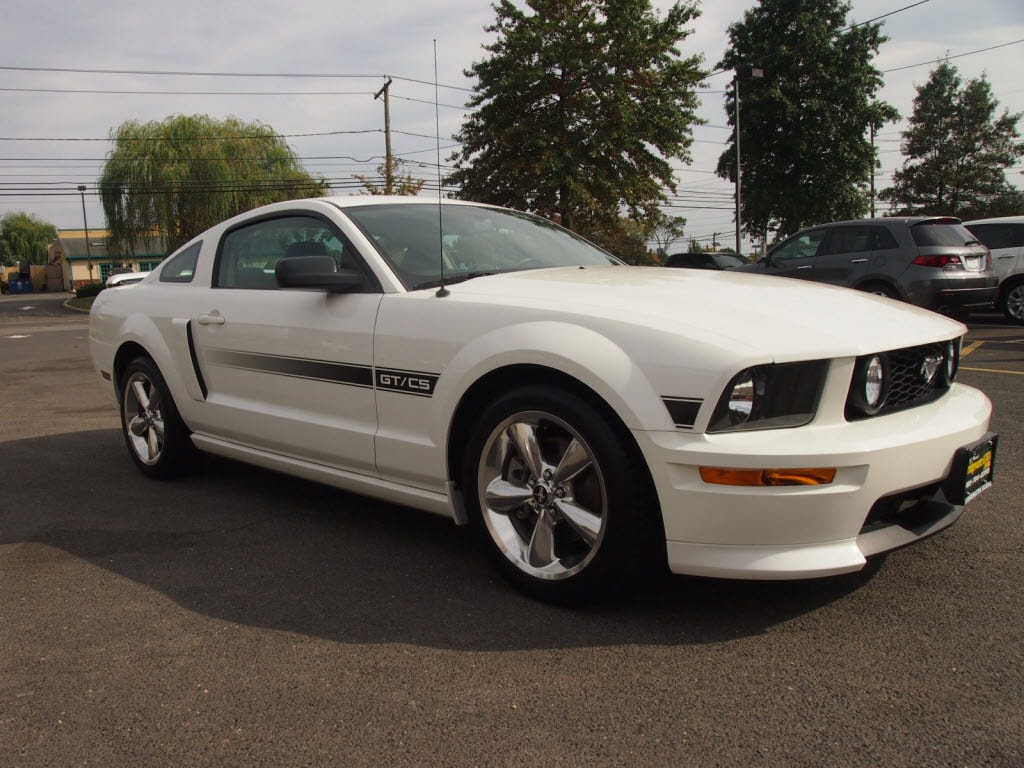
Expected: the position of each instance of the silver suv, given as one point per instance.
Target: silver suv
(1005, 239)
(931, 261)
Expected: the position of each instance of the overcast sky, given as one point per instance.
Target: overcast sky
(54, 124)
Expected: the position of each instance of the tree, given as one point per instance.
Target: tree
(666, 230)
(178, 177)
(804, 125)
(23, 237)
(957, 151)
(400, 184)
(577, 110)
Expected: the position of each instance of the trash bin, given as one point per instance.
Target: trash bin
(19, 285)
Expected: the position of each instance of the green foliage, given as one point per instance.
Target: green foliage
(666, 230)
(804, 142)
(180, 176)
(23, 236)
(957, 151)
(577, 110)
(401, 184)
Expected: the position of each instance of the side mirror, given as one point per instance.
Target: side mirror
(318, 272)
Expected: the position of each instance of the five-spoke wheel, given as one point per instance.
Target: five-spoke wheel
(559, 495)
(156, 437)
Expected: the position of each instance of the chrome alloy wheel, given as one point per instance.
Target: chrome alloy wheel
(1014, 302)
(143, 418)
(542, 494)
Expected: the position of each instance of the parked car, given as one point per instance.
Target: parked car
(704, 260)
(125, 278)
(931, 261)
(1004, 237)
(591, 421)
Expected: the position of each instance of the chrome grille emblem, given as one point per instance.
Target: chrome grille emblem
(929, 367)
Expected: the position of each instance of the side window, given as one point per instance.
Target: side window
(249, 254)
(181, 267)
(997, 236)
(883, 239)
(849, 240)
(800, 246)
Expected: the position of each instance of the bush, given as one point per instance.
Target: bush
(88, 291)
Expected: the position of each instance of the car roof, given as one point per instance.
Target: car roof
(997, 220)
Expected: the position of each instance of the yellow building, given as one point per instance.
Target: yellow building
(83, 262)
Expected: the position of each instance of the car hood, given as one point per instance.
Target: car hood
(791, 319)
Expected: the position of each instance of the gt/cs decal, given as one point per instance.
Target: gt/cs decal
(409, 382)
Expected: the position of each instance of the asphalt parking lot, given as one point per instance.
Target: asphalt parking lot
(240, 618)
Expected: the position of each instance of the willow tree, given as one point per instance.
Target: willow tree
(578, 109)
(174, 179)
(23, 236)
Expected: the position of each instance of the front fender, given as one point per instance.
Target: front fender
(582, 353)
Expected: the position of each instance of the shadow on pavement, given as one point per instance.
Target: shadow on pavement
(244, 545)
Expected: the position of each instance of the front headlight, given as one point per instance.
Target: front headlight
(770, 397)
(870, 386)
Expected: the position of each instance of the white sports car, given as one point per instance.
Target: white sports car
(592, 421)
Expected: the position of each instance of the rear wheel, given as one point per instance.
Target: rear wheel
(157, 438)
(560, 497)
(1011, 301)
(880, 289)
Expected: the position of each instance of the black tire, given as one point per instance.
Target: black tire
(1011, 300)
(880, 289)
(578, 521)
(158, 440)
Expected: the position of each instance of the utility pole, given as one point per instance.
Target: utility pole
(389, 174)
(85, 221)
(754, 72)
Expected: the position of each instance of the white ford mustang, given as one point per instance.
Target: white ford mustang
(592, 421)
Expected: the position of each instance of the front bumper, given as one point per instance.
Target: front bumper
(808, 531)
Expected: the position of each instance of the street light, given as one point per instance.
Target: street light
(754, 72)
(85, 221)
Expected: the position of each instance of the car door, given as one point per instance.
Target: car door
(845, 256)
(289, 371)
(796, 256)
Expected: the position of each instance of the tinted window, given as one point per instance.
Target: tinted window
(181, 267)
(800, 245)
(727, 261)
(849, 240)
(999, 235)
(941, 233)
(249, 254)
(882, 239)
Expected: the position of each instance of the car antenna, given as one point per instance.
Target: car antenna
(442, 291)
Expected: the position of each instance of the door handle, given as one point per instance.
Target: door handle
(859, 261)
(806, 266)
(211, 320)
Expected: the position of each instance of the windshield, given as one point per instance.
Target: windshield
(473, 241)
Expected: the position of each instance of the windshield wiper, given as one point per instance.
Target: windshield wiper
(452, 279)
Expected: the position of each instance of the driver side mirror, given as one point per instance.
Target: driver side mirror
(318, 272)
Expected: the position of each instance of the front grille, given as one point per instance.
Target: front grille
(915, 377)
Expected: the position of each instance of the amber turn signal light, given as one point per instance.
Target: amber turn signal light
(767, 477)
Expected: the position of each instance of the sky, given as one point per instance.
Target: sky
(70, 73)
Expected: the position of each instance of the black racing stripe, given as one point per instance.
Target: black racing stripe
(683, 410)
(320, 370)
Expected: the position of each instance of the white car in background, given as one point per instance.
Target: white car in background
(592, 421)
(1004, 237)
(125, 278)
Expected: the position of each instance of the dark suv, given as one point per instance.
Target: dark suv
(931, 261)
(704, 260)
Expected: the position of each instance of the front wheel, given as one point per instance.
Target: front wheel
(560, 496)
(157, 438)
(1011, 301)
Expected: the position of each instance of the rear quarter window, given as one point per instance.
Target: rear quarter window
(999, 235)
